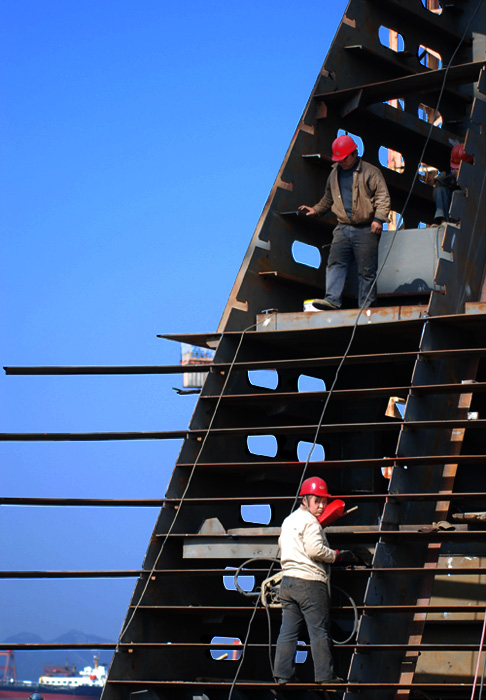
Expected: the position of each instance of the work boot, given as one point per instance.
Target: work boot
(324, 304)
(334, 679)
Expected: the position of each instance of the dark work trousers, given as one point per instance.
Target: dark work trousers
(442, 199)
(304, 601)
(350, 242)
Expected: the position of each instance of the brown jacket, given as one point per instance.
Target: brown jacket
(371, 199)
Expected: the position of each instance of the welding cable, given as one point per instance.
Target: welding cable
(269, 631)
(355, 616)
(427, 697)
(476, 674)
(250, 594)
(257, 602)
(482, 679)
(243, 652)
(191, 474)
(258, 594)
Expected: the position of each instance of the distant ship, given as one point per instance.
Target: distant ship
(59, 683)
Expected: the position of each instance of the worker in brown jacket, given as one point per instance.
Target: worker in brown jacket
(357, 194)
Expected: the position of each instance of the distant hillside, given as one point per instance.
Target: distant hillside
(30, 664)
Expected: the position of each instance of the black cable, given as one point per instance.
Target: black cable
(245, 645)
(258, 594)
(269, 630)
(355, 613)
(482, 679)
(250, 594)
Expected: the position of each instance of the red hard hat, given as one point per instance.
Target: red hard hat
(342, 147)
(458, 153)
(314, 486)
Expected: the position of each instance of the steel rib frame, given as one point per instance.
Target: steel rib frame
(427, 22)
(267, 338)
(250, 365)
(259, 685)
(346, 463)
(135, 573)
(46, 646)
(158, 503)
(247, 430)
(345, 394)
(123, 646)
(375, 609)
(249, 608)
(396, 88)
(425, 535)
(360, 648)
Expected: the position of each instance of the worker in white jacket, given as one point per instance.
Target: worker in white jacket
(304, 589)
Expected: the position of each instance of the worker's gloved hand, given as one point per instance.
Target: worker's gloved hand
(346, 556)
(363, 554)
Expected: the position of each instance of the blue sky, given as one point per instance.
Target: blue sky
(139, 143)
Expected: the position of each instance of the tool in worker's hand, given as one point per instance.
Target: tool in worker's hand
(333, 511)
